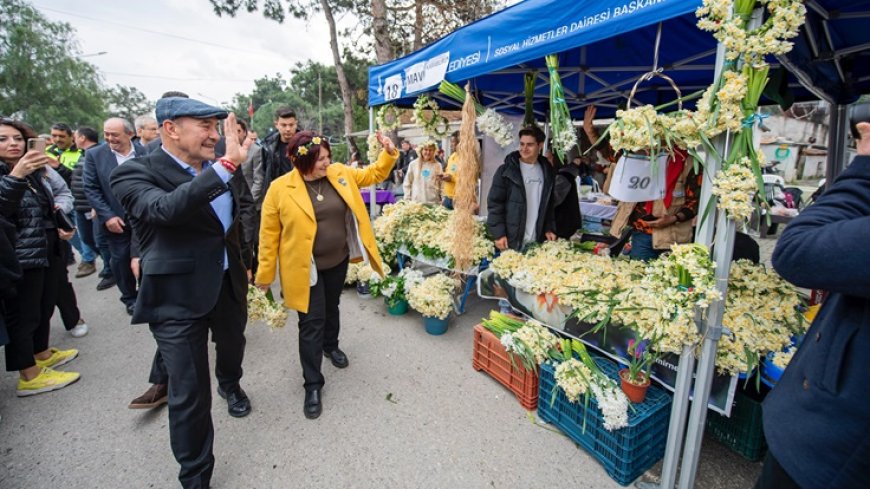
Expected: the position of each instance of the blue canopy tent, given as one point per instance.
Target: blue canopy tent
(604, 48)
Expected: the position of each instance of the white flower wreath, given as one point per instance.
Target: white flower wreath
(388, 118)
(436, 125)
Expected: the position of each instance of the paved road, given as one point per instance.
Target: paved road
(445, 425)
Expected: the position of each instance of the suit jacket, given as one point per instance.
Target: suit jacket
(180, 238)
(99, 163)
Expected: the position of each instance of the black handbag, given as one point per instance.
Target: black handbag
(63, 221)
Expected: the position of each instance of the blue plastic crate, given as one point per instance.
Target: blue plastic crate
(625, 453)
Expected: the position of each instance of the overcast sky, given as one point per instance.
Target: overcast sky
(161, 45)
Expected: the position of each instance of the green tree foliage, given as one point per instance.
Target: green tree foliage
(127, 102)
(41, 79)
(300, 93)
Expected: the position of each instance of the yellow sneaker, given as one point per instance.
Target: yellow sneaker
(58, 358)
(48, 380)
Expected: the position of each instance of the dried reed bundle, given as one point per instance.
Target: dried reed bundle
(465, 201)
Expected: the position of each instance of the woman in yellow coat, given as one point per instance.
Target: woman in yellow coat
(313, 223)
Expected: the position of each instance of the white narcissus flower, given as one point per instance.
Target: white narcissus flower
(495, 126)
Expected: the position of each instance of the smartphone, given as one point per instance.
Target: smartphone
(36, 144)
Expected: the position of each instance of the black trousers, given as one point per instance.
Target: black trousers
(319, 327)
(119, 249)
(183, 347)
(67, 303)
(773, 476)
(28, 314)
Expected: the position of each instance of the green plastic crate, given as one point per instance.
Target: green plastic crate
(743, 432)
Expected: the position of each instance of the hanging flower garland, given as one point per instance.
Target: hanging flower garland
(489, 121)
(735, 186)
(434, 126)
(785, 19)
(564, 134)
(388, 118)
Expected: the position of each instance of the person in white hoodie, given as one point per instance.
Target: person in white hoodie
(423, 177)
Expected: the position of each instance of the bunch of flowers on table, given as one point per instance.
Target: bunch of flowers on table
(677, 286)
(578, 375)
(365, 273)
(761, 316)
(261, 307)
(424, 230)
(782, 358)
(433, 297)
(530, 340)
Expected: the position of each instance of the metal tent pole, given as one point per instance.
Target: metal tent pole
(373, 193)
(723, 252)
(836, 143)
(683, 386)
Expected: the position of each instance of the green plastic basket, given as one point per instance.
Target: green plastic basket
(743, 431)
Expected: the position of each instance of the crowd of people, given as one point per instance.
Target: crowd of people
(184, 217)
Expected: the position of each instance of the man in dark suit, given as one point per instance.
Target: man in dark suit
(99, 163)
(186, 212)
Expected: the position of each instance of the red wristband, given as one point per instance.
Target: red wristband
(229, 165)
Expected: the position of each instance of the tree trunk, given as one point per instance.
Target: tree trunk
(346, 94)
(381, 32)
(418, 24)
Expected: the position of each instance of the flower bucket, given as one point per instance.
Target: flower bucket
(637, 179)
(362, 290)
(400, 308)
(435, 326)
(635, 393)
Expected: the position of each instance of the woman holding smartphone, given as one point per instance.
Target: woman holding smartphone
(30, 192)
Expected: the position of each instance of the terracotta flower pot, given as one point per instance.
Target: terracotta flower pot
(635, 393)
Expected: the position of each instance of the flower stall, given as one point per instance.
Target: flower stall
(603, 50)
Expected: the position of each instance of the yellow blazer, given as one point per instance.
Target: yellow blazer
(288, 227)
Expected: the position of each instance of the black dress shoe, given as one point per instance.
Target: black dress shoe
(106, 283)
(130, 308)
(238, 404)
(338, 358)
(313, 406)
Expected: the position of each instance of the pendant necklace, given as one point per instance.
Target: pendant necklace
(319, 196)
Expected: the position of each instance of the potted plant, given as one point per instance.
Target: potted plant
(635, 378)
(394, 289)
(433, 298)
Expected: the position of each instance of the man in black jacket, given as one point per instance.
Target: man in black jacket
(275, 160)
(86, 138)
(99, 163)
(186, 212)
(817, 418)
(520, 207)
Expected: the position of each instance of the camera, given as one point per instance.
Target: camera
(859, 113)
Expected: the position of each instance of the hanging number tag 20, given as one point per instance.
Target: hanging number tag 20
(393, 88)
(635, 179)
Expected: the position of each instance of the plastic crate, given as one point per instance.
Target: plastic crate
(743, 431)
(490, 356)
(625, 453)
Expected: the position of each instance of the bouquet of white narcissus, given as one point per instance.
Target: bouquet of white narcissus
(261, 307)
(581, 377)
(424, 230)
(433, 297)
